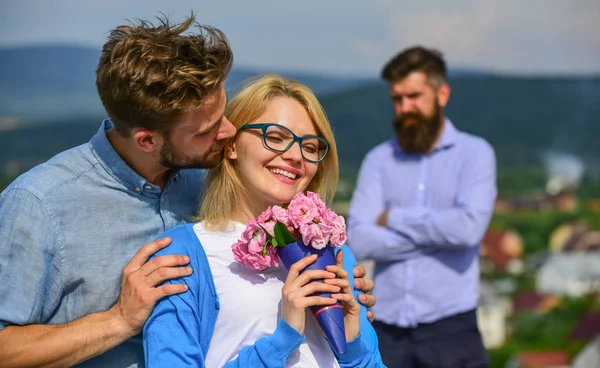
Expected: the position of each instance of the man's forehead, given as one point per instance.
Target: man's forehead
(414, 82)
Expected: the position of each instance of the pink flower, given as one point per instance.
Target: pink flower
(307, 218)
(337, 224)
(338, 238)
(302, 210)
(282, 215)
(314, 235)
(316, 200)
(267, 221)
(255, 261)
(272, 256)
(254, 236)
(266, 215)
(240, 250)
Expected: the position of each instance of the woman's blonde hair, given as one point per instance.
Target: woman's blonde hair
(223, 190)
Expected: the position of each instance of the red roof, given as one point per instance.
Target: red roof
(544, 359)
(491, 248)
(528, 300)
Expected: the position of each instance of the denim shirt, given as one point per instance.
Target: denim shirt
(70, 225)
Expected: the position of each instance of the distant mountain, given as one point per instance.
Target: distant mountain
(521, 117)
(51, 82)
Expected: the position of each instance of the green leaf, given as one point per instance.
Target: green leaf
(274, 242)
(283, 235)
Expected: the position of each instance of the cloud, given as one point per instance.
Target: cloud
(512, 35)
(341, 36)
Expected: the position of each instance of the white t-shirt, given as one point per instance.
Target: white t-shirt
(251, 305)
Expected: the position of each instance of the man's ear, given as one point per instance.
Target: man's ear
(147, 140)
(231, 151)
(443, 94)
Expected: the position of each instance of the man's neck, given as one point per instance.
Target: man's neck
(144, 164)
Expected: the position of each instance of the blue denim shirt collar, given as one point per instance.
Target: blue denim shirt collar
(448, 139)
(116, 166)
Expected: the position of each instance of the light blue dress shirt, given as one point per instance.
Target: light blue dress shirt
(70, 225)
(440, 205)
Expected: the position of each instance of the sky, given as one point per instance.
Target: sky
(343, 37)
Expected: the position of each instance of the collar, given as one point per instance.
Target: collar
(115, 165)
(448, 139)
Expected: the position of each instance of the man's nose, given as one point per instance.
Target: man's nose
(227, 129)
(407, 106)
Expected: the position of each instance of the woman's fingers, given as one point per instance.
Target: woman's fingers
(314, 287)
(313, 301)
(339, 271)
(338, 282)
(347, 298)
(312, 275)
(297, 267)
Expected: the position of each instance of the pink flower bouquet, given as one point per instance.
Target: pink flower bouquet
(306, 227)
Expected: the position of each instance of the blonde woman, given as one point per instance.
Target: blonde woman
(235, 316)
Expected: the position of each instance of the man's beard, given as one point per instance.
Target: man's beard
(170, 159)
(421, 133)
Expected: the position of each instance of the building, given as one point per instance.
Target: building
(501, 251)
(542, 359)
(491, 315)
(576, 237)
(570, 274)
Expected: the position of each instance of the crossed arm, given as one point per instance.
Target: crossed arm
(400, 233)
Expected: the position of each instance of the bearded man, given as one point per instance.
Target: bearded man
(421, 206)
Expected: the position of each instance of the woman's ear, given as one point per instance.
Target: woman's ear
(231, 152)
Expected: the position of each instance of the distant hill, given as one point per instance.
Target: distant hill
(52, 90)
(521, 117)
(52, 81)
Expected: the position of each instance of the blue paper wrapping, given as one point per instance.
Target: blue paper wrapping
(330, 318)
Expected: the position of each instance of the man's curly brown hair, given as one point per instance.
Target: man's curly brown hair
(149, 76)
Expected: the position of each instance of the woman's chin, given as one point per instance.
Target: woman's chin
(281, 198)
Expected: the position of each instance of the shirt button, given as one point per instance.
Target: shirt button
(421, 187)
(147, 187)
(406, 297)
(138, 189)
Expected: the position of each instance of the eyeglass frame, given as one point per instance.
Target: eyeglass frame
(264, 126)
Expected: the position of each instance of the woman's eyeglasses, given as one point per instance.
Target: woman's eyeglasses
(280, 139)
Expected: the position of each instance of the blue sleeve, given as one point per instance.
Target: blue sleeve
(462, 225)
(271, 351)
(31, 284)
(173, 336)
(367, 239)
(179, 330)
(363, 351)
